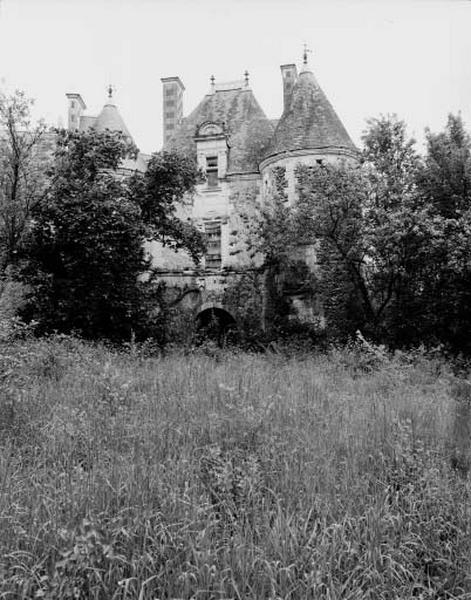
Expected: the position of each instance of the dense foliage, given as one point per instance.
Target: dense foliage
(446, 185)
(85, 254)
(168, 178)
(23, 163)
(392, 236)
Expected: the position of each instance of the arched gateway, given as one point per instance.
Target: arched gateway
(215, 321)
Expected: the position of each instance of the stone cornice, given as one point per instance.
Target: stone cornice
(319, 151)
(250, 175)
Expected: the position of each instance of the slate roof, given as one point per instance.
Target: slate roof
(109, 118)
(249, 131)
(309, 121)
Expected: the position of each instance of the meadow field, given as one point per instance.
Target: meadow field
(222, 474)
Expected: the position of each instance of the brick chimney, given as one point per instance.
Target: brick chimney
(172, 105)
(289, 73)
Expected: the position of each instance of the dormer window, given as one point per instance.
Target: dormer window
(212, 150)
(212, 171)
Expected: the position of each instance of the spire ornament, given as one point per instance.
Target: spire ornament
(305, 52)
(212, 79)
(246, 77)
(110, 89)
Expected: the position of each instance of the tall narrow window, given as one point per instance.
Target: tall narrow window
(212, 231)
(212, 171)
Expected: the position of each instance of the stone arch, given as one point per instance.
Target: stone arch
(216, 310)
(215, 321)
(212, 304)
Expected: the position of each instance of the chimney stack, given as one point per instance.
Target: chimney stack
(172, 90)
(75, 111)
(289, 73)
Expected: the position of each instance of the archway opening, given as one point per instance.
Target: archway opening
(215, 323)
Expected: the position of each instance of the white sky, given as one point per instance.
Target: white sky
(411, 57)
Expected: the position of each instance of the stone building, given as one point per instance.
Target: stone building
(242, 152)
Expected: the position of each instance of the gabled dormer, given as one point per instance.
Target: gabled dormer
(212, 150)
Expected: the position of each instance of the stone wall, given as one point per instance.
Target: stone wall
(234, 203)
(290, 160)
(231, 203)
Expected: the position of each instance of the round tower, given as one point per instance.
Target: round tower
(308, 132)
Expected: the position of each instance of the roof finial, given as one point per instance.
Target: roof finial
(306, 50)
(246, 77)
(213, 84)
(110, 89)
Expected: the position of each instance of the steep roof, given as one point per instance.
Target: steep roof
(309, 121)
(249, 131)
(109, 118)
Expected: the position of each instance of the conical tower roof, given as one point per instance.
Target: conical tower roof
(309, 122)
(109, 118)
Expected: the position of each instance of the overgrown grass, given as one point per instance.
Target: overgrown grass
(342, 475)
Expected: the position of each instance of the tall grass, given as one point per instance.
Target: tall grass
(231, 476)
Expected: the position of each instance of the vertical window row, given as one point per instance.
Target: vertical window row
(212, 230)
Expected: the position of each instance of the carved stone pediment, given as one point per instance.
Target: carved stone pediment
(210, 129)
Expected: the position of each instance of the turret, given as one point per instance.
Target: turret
(308, 132)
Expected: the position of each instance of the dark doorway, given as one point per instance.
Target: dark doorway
(215, 323)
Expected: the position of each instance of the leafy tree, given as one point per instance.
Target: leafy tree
(392, 237)
(23, 161)
(271, 236)
(169, 178)
(245, 299)
(446, 179)
(400, 232)
(329, 214)
(368, 226)
(395, 236)
(86, 249)
(446, 184)
(394, 160)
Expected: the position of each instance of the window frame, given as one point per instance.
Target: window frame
(212, 171)
(213, 236)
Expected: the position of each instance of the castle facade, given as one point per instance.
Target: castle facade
(243, 155)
